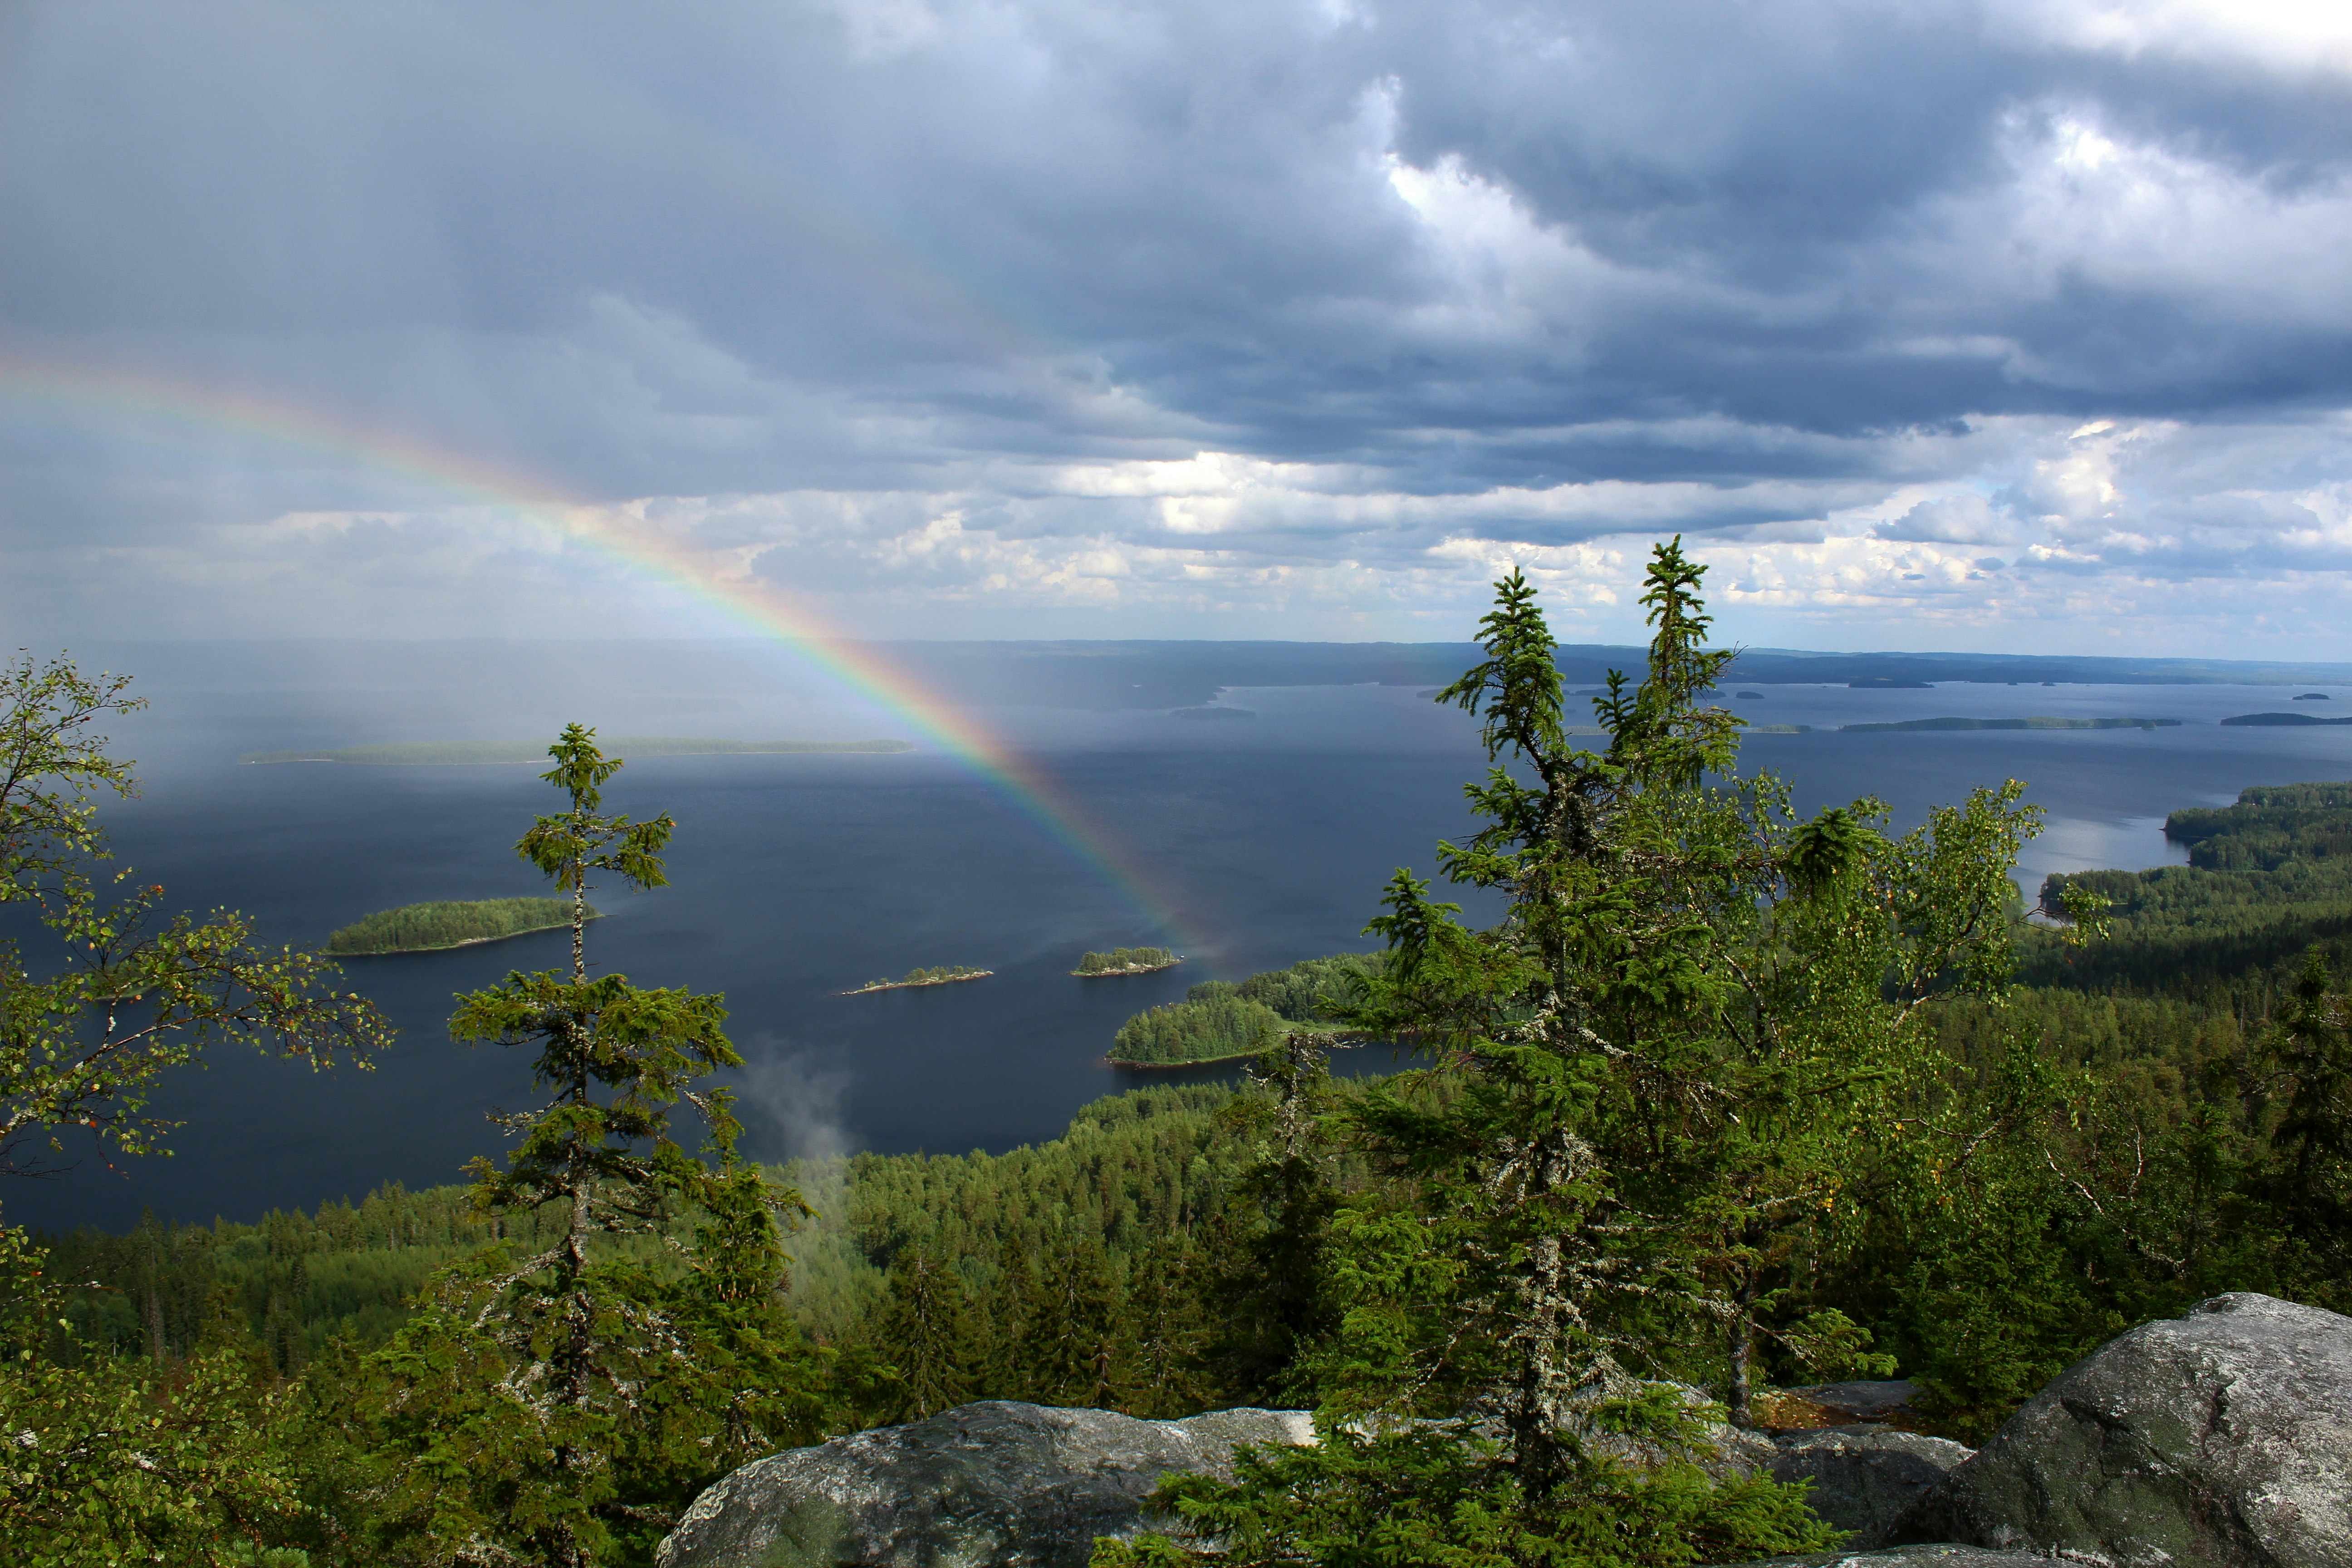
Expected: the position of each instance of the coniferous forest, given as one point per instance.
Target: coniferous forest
(1728, 1096)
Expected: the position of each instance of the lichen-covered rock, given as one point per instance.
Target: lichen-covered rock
(2222, 1438)
(1944, 1554)
(1864, 1477)
(993, 1485)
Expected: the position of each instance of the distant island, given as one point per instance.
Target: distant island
(1220, 1020)
(2043, 721)
(944, 974)
(432, 928)
(1213, 712)
(1125, 960)
(470, 754)
(2265, 720)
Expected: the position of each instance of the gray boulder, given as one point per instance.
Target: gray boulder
(2223, 1438)
(993, 1485)
(1864, 1477)
(1944, 1554)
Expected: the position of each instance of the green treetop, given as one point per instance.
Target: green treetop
(569, 845)
(1649, 1084)
(560, 1402)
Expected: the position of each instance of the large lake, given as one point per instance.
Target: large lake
(794, 876)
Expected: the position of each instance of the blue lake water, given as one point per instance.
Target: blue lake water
(1260, 841)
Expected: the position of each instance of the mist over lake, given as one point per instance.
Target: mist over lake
(1260, 840)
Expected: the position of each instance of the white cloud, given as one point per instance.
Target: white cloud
(2018, 323)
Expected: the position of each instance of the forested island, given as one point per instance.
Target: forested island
(2282, 720)
(1221, 1020)
(1125, 960)
(430, 928)
(2039, 721)
(473, 754)
(944, 974)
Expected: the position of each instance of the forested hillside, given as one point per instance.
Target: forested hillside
(1728, 1096)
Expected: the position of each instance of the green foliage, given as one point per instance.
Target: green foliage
(1210, 1028)
(113, 1458)
(927, 1336)
(561, 1403)
(2269, 825)
(424, 928)
(135, 992)
(1299, 992)
(1126, 961)
(1436, 1494)
(1220, 1020)
(2268, 877)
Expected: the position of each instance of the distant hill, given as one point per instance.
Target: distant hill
(466, 753)
(1173, 675)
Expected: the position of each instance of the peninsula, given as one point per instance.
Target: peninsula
(437, 927)
(1125, 960)
(476, 753)
(943, 974)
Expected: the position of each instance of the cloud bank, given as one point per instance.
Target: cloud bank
(1992, 325)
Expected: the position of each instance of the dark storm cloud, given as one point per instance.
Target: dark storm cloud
(1773, 263)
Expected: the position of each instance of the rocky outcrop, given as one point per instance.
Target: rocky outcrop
(1943, 1555)
(1864, 1477)
(2222, 1438)
(994, 1484)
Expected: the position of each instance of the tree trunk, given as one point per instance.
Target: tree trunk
(1742, 1347)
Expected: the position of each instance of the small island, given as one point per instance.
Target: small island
(1125, 960)
(942, 974)
(437, 926)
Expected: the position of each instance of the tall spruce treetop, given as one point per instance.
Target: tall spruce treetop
(569, 845)
(1654, 1077)
(580, 1406)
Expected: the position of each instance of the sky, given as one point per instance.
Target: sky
(2000, 326)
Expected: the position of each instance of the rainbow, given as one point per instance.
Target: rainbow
(36, 393)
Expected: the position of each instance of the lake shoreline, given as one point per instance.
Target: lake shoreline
(452, 947)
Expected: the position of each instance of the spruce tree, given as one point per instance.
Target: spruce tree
(925, 1335)
(1649, 1088)
(551, 1406)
